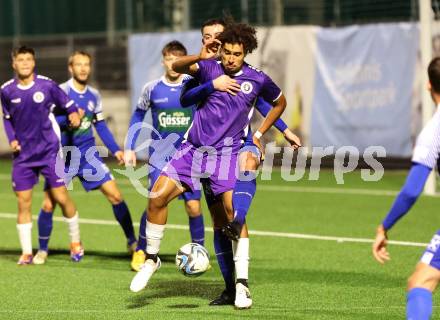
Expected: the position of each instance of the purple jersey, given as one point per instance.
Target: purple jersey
(28, 111)
(223, 115)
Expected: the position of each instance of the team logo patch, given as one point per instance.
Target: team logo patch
(91, 105)
(246, 87)
(38, 97)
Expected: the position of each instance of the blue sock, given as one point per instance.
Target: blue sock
(419, 304)
(243, 194)
(225, 259)
(411, 190)
(44, 229)
(197, 229)
(142, 241)
(122, 214)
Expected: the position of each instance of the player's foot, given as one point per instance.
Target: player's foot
(242, 297)
(40, 257)
(25, 259)
(141, 278)
(137, 260)
(232, 230)
(226, 298)
(76, 251)
(131, 247)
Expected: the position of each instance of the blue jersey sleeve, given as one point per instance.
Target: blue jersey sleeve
(193, 93)
(263, 107)
(106, 136)
(134, 128)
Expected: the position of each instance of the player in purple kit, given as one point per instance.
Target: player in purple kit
(83, 161)
(213, 141)
(27, 102)
(245, 188)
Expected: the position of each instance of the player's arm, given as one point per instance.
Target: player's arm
(188, 64)
(9, 128)
(64, 102)
(193, 94)
(134, 129)
(107, 137)
(278, 107)
(263, 107)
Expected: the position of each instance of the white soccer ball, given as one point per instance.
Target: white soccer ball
(192, 260)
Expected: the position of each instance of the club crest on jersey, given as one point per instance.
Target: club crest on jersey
(91, 105)
(38, 97)
(246, 87)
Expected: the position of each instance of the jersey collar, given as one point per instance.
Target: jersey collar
(72, 86)
(164, 80)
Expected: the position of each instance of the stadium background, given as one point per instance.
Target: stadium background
(106, 28)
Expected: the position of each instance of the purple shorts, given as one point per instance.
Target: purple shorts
(431, 256)
(190, 165)
(25, 177)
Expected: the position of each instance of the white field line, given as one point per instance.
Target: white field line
(252, 232)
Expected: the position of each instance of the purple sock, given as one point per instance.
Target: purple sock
(142, 241)
(197, 229)
(225, 259)
(122, 214)
(44, 229)
(243, 195)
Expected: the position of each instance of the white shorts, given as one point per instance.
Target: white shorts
(427, 147)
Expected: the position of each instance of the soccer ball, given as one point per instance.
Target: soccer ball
(192, 260)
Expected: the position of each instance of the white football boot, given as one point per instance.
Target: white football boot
(141, 278)
(40, 257)
(242, 297)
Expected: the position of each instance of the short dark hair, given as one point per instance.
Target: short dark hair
(78, 53)
(212, 22)
(434, 74)
(21, 50)
(240, 33)
(174, 46)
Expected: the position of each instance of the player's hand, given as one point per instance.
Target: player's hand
(380, 252)
(130, 158)
(258, 144)
(15, 146)
(209, 49)
(81, 113)
(119, 155)
(74, 119)
(226, 84)
(292, 138)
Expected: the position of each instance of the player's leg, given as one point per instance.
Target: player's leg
(424, 281)
(23, 180)
(45, 224)
(139, 256)
(194, 210)
(222, 247)
(120, 210)
(62, 198)
(244, 190)
(24, 225)
(240, 249)
(164, 190)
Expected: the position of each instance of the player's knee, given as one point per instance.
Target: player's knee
(423, 278)
(47, 206)
(115, 198)
(193, 208)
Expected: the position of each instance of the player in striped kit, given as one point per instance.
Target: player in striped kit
(170, 122)
(426, 276)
